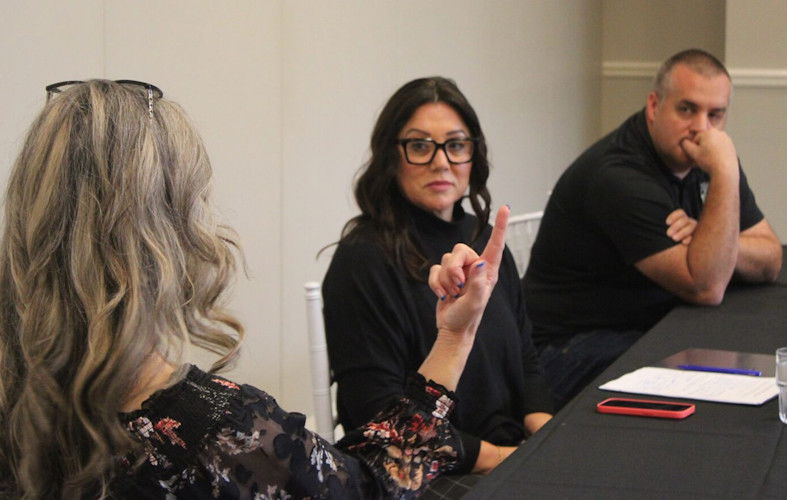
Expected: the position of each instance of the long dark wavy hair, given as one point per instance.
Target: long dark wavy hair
(110, 255)
(383, 206)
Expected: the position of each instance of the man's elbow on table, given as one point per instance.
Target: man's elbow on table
(771, 270)
(706, 297)
(768, 274)
(760, 255)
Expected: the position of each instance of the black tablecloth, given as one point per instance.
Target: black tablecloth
(722, 451)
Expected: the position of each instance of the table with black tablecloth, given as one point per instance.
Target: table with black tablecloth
(722, 451)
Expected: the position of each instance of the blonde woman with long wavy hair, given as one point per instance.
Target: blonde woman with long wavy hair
(111, 263)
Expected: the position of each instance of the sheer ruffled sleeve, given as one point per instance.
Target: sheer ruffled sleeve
(207, 437)
(395, 455)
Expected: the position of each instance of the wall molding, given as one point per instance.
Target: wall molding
(759, 77)
(629, 69)
(742, 77)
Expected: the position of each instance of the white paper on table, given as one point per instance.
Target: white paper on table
(687, 384)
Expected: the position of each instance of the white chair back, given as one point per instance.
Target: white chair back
(521, 234)
(321, 376)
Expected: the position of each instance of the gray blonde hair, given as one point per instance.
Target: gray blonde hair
(110, 255)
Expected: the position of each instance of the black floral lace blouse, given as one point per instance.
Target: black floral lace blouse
(207, 437)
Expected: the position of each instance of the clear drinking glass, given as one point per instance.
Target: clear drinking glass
(781, 381)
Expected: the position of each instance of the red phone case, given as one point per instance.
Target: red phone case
(686, 410)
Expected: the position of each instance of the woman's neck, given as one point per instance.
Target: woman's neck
(155, 375)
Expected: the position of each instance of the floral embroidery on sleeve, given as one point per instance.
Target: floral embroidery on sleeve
(167, 426)
(208, 436)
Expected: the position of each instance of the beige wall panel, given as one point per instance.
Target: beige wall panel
(757, 34)
(759, 130)
(756, 41)
(648, 30)
(621, 97)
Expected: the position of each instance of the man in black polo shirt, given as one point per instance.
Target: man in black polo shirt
(655, 213)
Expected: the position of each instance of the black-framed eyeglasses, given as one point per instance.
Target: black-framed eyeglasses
(423, 151)
(152, 90)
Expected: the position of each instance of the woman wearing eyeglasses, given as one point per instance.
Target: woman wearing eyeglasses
(427, 153)
(111, 262)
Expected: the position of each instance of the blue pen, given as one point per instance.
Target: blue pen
(719, 369)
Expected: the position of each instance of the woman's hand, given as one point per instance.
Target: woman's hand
(535, 421)
(463, 281)
(490, 456)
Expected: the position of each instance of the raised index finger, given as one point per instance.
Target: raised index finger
(497, 242)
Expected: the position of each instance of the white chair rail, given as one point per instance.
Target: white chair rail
(521, 233)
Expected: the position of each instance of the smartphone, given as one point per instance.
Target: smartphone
(645, 408)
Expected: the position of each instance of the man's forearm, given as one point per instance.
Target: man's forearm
(713, 250)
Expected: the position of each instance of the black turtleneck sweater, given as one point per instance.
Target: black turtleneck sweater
(380, 325)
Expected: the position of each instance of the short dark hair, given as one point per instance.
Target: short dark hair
(377, 192)
(698, 60)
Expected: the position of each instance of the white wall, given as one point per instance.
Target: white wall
(38, 47)
(285, 94)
